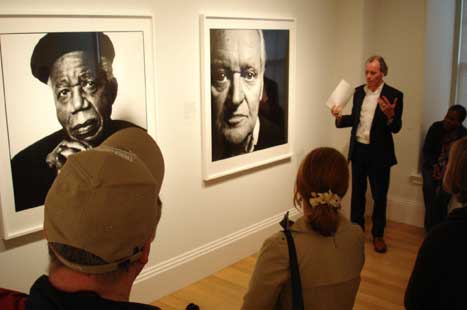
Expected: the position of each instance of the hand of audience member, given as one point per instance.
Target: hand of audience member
(57, 158)
(387, 107)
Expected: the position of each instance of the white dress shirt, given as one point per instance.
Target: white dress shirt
(367, 114)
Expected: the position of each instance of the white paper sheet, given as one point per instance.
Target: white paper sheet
(341, 95)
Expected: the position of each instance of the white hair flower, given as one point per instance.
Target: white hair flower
(328, 198)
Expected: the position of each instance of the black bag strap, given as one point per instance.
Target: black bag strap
(297, 298)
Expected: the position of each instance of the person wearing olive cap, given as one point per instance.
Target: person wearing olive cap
(77, 66)
(100, 217)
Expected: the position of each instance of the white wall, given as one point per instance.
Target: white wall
(400, 37)
(204, 227)
(440, 23)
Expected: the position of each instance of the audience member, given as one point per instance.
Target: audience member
(100, 218)
(330, 249)
(437, 280)
(436, 147)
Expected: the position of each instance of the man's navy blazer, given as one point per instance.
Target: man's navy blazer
(381, 141)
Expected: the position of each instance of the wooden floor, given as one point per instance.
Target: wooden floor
(384, 277)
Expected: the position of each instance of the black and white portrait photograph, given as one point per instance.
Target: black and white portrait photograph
(249, 79)
(65, 92)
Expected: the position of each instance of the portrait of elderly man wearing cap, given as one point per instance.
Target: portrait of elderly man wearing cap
(100, 218)
(77, 67)
(238, 65)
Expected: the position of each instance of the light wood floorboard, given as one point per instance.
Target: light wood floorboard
(384, 277)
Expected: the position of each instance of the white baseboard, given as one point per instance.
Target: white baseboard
(406, 211)
(180, 271)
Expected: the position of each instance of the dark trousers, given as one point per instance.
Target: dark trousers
(435, 198)
(365, 166)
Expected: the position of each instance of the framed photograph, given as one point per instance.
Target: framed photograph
(67, 83)
(247, 92)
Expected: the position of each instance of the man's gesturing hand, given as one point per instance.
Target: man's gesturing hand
(387, 107)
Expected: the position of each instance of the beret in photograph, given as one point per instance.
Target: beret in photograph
(55, 44)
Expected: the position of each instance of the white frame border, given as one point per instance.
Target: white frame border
(15, 224)
(213, 170)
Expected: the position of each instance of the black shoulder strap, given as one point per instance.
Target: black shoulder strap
(297, 298)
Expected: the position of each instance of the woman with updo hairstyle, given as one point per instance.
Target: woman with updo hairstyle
(330, 249)
(440, 271)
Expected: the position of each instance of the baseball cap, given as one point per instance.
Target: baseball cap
(55, 44)
(105, 200)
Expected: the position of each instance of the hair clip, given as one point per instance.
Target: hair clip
(328, 198)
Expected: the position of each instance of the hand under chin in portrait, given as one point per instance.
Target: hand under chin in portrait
(57, 158)
(84, 131)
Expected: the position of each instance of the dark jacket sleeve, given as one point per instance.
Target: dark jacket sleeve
(31, 175)
(344, 121)
(422, 287)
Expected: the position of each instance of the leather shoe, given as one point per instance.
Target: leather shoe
(379, 245)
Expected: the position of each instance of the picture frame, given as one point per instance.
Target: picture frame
(27, 108)
(226, 130)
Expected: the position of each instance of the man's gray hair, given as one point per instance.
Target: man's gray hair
(262, 44)
(382, 64)
(262, 50)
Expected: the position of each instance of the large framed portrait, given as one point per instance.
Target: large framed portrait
(247, 92)
(67, 83)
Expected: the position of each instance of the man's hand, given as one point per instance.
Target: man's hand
(57, 158)
(387, 107)
(336, 112)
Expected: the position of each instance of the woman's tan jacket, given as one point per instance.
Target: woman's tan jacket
(329, 269)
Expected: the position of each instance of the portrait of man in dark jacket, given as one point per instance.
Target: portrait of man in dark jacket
(78, 69)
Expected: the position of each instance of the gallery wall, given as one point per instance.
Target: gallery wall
(439, 44)
(400, 36)
(206, 226)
